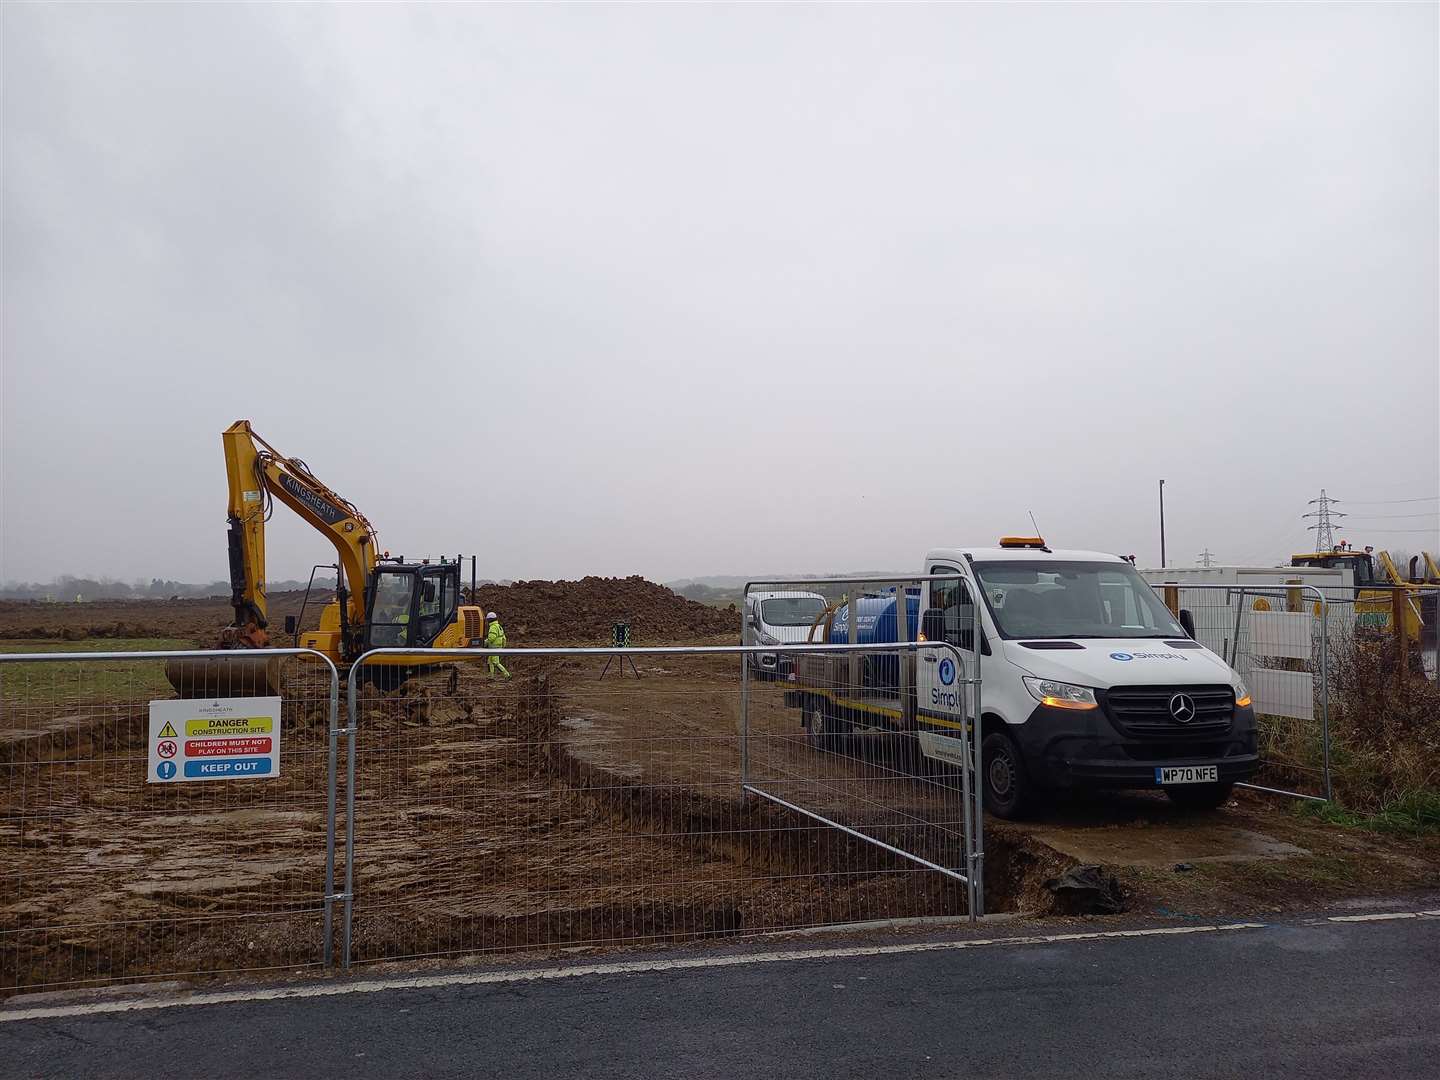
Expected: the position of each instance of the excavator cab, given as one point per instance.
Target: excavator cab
(409, 604)
(1360, 563)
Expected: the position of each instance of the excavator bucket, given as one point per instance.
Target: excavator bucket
(254, 676)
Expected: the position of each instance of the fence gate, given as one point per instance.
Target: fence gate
(118, 864)
(512, 800)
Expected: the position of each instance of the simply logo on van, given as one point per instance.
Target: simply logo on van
(1126, 656)
(946, 698)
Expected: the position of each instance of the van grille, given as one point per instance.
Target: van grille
(1145, 710)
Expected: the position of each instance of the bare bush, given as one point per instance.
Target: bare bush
(1385, 725)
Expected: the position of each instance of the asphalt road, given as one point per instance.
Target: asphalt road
(1310, 999)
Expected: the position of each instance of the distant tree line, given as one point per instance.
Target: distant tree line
(67, 587)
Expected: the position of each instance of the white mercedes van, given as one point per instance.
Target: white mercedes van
(1087, 680)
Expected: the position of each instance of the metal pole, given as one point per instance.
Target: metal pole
(852, 637)
(1162, 524)
(1399, 608)
(577, 650)
(1325, 686)
(902, 636)
(160, 654)
(852, 581)
(330, 779)
(977, 871)
(744, 695)
(352, 712)
(1235, 642)
(926, 863)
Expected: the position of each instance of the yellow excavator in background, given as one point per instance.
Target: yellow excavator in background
(1376, 576)
(379, 601)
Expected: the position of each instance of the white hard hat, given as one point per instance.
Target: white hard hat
(491, 615)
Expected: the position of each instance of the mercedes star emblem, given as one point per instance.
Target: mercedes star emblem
(1182, 708)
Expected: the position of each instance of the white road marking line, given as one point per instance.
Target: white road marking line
(630, 967)
(1379, 916)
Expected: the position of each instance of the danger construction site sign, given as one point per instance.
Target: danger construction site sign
(214, 739)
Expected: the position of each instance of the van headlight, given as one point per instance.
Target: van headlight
(1060, 695)
(1242, 695)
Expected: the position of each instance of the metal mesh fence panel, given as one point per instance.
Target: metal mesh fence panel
(1337, 674)
(560, 804)
(843, 752)
(1427, 600)
(853, 739)
(110, 872)
(1272, 637)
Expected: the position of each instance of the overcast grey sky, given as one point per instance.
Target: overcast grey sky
(714, 289)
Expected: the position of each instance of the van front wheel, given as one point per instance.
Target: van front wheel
(1009, 791)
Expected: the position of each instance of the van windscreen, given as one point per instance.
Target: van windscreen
(1035, 599)
(791, 610)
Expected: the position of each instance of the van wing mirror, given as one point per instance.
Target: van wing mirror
(1187, 623)
(932, 624)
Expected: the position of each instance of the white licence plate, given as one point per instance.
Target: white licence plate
(1188, 774)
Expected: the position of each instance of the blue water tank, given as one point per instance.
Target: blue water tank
(875, 620)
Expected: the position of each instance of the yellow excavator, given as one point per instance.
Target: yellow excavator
(379, 601)
(1375, 575)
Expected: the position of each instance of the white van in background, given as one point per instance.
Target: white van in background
(779, 618)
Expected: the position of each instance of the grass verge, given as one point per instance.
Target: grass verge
(1414, 813)
(49, 686)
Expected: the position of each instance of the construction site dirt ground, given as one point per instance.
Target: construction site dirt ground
(1254, 854)
(562, 811)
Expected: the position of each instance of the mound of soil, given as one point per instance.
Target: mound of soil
(572, 612)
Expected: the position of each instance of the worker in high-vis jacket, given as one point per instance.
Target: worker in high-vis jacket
(495, 639)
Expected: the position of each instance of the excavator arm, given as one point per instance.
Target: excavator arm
(258, 475)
